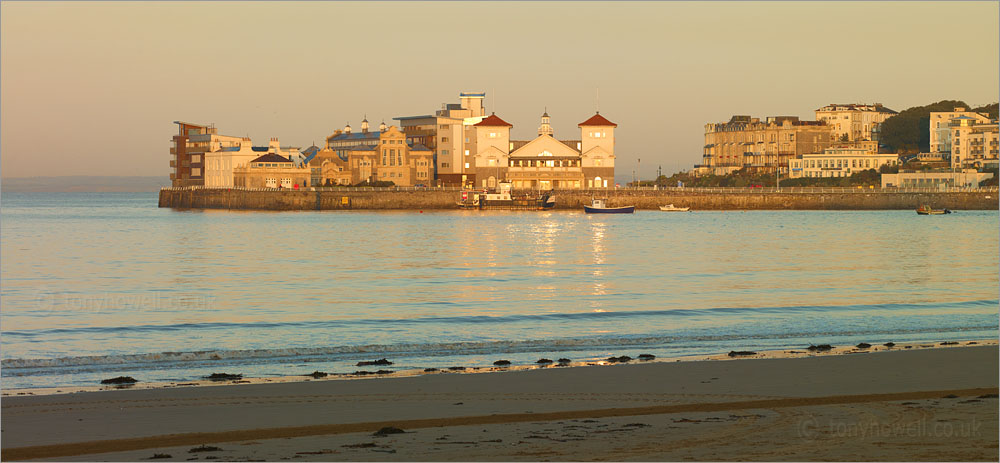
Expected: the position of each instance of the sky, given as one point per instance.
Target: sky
(93, 88)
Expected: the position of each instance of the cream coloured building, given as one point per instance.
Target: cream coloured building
(544, 162)
(220, 164)
(271, 171)
(838, 162)
(854, 122)
(940, 127)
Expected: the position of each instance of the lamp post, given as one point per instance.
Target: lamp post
(638, 175)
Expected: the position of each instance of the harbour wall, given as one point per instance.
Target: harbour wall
(696, 199)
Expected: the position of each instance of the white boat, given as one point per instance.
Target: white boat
(672, 208)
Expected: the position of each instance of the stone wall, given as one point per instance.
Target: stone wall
(643, 199)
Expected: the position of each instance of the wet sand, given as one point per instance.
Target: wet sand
(886, 405)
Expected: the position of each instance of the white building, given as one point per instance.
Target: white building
(838, 162)
(855, 122)
(968, 178)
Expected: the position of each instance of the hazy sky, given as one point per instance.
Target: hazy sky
(93, 88)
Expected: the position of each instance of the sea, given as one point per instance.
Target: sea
(97, 285)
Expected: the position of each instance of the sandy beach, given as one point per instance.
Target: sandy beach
(892, 404)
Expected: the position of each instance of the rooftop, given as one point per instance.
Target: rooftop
(597, 120)
(492, 121)
(271, 157)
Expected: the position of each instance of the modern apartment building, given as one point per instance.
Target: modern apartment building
(973, 143)
(941, 131)
(761, 146)
(188, 151)
(447, 133)
(854, 122)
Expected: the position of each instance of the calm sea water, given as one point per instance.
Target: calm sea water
(107, 284)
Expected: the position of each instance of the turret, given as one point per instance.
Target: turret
(364, 125)
(545, 128)
(347, 128)
(381, 127)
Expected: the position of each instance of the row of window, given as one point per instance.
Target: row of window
(547, 163)
(838, 163)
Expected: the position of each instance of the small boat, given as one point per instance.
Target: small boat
(672, 208)
(598, 206)
(926, 210)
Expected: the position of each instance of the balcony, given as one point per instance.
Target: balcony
(173, 163)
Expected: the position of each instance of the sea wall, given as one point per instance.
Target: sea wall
(205, 198)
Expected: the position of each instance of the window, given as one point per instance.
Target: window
(466, 165)
(444, 139)
(444, 152)
(385, 141)
(493, 134)
(597, 162)
(466, 152)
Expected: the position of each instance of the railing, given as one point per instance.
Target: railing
(813, 190)
(729, 190)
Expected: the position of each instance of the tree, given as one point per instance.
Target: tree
(991, 110)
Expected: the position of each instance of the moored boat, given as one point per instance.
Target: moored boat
(926, 210)
(672, 208)
(599, 206)
(504, 199)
